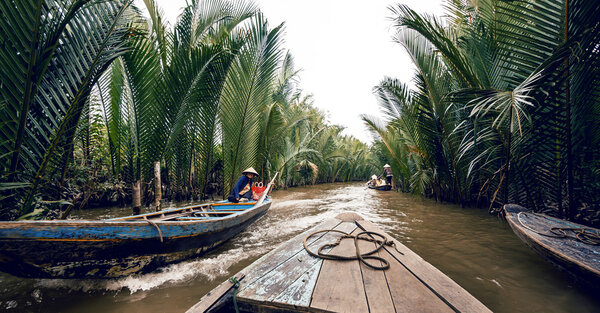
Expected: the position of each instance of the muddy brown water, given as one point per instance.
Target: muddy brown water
(477, 250)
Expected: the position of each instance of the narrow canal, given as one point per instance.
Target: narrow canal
(477, 250)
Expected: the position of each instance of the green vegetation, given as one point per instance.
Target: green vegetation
(92, 94)
(505, 106)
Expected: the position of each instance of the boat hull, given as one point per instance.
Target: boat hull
(111, 249)
(579, 260)
(381, 188)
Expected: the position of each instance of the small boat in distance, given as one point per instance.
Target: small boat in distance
(572, 247)
(385, 187)
(378, 184)
(122, 246)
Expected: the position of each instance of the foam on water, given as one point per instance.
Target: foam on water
(204, 268)
(207, 268)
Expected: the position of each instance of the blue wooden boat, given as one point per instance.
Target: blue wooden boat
(571, 247)
(121, 246)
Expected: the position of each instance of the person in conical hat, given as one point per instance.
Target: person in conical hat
(242, 189)
(387, 173)
(250, 170)
(373, 181)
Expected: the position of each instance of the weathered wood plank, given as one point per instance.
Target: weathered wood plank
(285, 274)
(375, 282)
(409, 293)
(340, 286)
(282, 253)
(300, 291)
(210, 300)
(445, 288)
(249, 305)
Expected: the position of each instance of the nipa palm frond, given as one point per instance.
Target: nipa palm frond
(246, 93)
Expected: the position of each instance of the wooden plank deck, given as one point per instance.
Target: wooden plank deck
(288, 279)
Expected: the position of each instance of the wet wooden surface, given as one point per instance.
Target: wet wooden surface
(289, 279)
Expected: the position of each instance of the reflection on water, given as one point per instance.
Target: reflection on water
(477, 250)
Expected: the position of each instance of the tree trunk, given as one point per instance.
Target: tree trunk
(507, 165)
(157, 186)
(571, 208)
(137, 199)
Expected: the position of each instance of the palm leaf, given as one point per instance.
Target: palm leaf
(247, 91)
(49, 106)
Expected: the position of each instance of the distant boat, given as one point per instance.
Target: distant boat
(384, 187)
(121, 246)
(542, 233)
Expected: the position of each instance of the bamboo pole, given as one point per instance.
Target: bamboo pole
(157, 186)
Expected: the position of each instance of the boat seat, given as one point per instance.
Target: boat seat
(238, 210)
(224, 211)
(173, 216)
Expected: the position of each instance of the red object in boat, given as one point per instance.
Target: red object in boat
(258, 191)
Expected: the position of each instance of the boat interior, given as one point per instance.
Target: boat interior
(208, 211)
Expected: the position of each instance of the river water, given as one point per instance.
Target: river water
(478, 251)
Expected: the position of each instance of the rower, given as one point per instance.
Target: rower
(242, 189)
(387, 173)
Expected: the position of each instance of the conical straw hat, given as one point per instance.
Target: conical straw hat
(387, 165)
(250, 170)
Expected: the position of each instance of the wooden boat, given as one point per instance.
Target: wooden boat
(289, 279)
(385, 187)
(121, 246)
(543, 234)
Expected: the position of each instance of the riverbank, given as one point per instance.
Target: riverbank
(476, 250)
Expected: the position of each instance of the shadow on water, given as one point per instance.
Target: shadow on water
(477, 250)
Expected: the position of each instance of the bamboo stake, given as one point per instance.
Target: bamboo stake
(157, 186)
(137, 199)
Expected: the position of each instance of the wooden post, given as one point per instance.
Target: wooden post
(137, 199)
(157, 186)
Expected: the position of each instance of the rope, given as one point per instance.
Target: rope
(586, 235)
(362, 257)
(236, 286)
(157, 228)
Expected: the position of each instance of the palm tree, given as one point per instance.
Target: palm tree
(503, 117)
(166, 101)
(246, 93)
(45, 83)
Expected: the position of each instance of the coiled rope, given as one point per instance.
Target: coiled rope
(362, 257)
(586, 235)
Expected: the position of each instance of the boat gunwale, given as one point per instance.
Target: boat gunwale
(12, 224)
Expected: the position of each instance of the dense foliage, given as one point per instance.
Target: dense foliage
(505, 105)
(93, 94)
